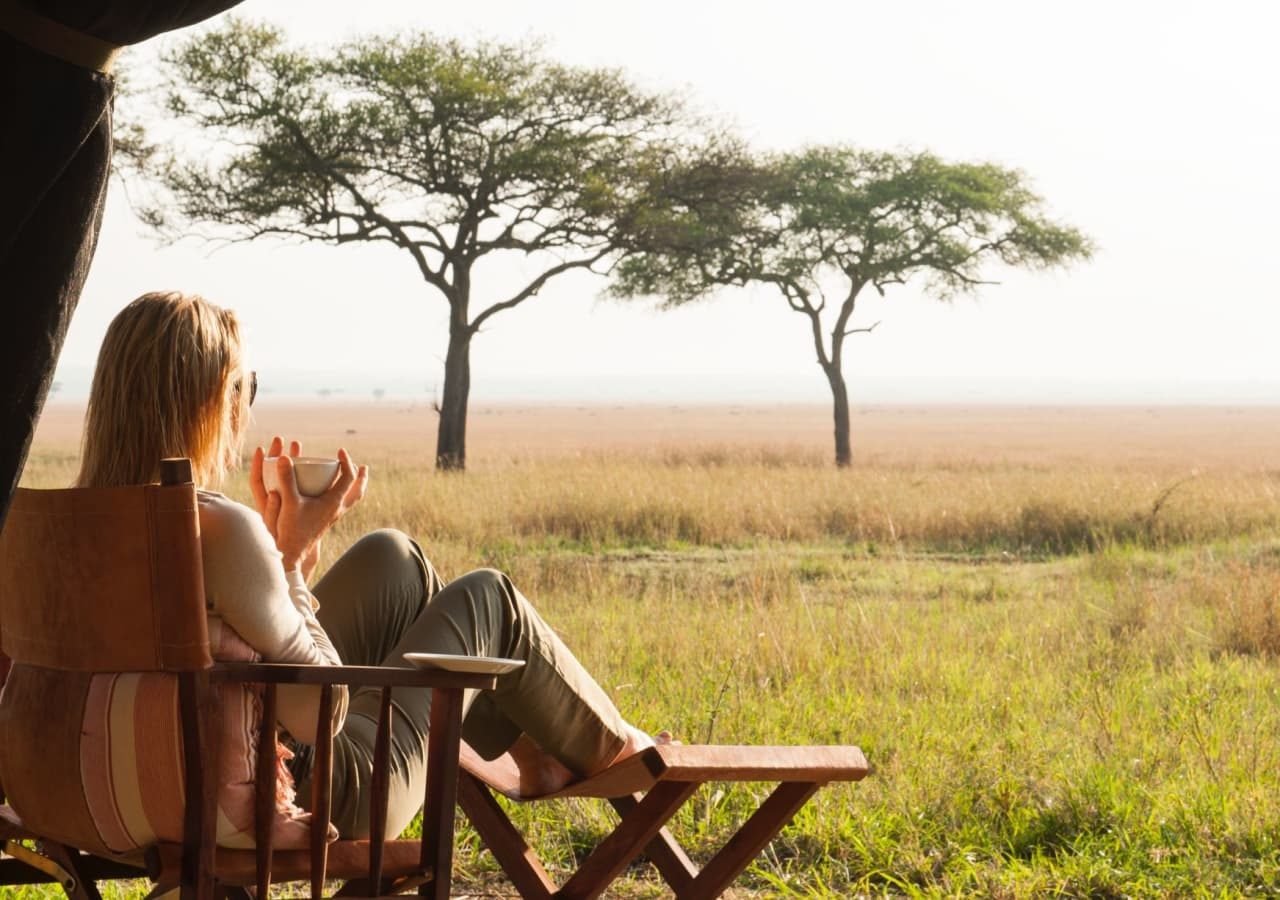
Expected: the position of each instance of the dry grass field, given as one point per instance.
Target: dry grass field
(1055, 632)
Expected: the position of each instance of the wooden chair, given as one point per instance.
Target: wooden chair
(109, 580)
(646, 790)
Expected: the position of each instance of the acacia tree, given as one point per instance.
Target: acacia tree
(451, 153)
(824, 224)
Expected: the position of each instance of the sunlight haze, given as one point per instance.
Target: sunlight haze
(1151, 127)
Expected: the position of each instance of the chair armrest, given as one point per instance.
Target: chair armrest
(374, 676)
(445, 736)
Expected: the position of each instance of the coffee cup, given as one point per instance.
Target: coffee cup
(313, 474)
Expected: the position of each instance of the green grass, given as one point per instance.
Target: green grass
(1061, 692)
(1085, 725)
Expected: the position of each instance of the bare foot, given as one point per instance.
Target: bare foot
(540, 772)
(638, 741)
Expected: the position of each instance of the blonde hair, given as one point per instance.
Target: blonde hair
(169, 382)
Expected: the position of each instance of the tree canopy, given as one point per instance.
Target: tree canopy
(447, 151)
(454, 152)
(823, 224)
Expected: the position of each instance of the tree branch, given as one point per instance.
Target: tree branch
(867, 330)
(841, 330)
(798, 299)
(536, 285)
(430, 275)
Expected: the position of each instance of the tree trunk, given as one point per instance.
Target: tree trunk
(840, 398)
(451, 438)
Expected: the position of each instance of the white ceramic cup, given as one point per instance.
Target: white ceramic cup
(313, 474)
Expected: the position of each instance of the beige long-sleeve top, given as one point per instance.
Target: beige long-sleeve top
(246, 584)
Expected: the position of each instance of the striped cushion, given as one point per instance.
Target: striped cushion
(131, 758)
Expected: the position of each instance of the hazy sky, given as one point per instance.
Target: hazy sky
(1155, 127)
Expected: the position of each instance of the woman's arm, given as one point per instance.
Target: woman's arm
(247, 584)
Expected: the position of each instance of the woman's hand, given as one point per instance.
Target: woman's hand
(256, 484)
(299, 523)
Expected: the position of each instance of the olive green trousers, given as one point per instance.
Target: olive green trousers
(383, 599)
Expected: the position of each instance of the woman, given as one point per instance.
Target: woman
(171, 381)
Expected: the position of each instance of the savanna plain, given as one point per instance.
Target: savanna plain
(1054, 632)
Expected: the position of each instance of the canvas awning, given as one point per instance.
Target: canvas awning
(55, 154)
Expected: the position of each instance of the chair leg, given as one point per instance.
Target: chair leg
(749, 840)
(506, 844)
(637, 828)
(642, 827)
(84, 888)
(672, 863)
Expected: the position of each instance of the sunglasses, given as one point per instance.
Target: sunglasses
(253, 386)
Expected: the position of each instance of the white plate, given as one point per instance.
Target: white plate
(488, 665)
